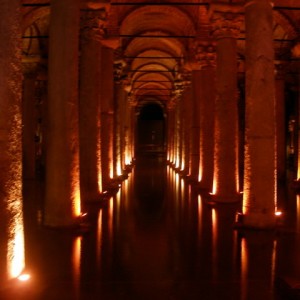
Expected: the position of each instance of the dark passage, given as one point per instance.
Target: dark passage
(157, 238)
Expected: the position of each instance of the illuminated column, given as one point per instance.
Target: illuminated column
(29, 119)
(186, 126)
(280, 124)
(170, 130)
(89, 105)
(11, 216)
(62, 193)
(107, 117)
(195, 127)
(225, 182)
(206, 61)
(119, 99)
(260, 140)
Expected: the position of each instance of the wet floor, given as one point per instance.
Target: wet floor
(157, 238)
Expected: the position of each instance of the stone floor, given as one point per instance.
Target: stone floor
(158, 238)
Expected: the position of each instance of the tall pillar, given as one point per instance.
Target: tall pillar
(260, 141)
(205, 55)
(29, 120)
(225, 182)
(11, 211)
(280, 125)
(107, 117)
(62, 192)
(89, 105)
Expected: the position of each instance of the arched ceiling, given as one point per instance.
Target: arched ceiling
(155, 37)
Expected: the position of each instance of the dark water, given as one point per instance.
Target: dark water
(157, 238)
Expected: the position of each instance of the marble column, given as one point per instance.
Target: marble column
(225, 182)
(107, 117)
(205, 57)
(170, 132)
(29, 120)
(89, 105)
(260, 140)
(11, 201)
(62, 192)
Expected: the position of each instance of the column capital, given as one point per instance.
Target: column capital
(93, 24)
(226, 25)
(203, 54)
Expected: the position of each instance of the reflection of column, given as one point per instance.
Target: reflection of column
(29, 120)
(225, 185)
(89, 105)
(170, 134)
(62, 199)
(205, 56)
(107, 117)
(259, 178)
(11, 216)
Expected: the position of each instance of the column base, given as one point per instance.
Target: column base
(261, 221)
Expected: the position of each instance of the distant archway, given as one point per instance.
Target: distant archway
(151, 129)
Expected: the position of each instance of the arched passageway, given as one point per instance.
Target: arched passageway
(151, 135)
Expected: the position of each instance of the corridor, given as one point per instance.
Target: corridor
(157, 238)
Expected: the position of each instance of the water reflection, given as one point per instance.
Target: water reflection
(158, 238)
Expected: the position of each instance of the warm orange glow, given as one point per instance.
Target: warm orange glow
(24, 277)
(77, 202)
(200, 174)
(214, 242)
(278, 213)
(15, 245)
(76, 264)
(200, 210)
(273, 264)
(298, 212)
(99, 236)
(214, 188)
(118, 208)
(99, 168)
(244, 269)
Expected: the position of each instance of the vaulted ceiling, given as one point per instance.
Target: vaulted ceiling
(155, 38)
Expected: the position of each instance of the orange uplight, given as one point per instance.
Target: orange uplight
(77, 202)
(15, 245)
(278, 213)
(24, 277)
(214, 188)
(99, 169)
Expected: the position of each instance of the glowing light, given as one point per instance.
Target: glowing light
(99, 168)
(99, 236)
(278, 213)
(77, 202)
(24, 277)
(244, 269)
(214, 189)
(200, 174)
(76, 263)
(15, 246)
(214, 242)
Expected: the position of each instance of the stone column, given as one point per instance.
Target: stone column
(260, 140)
(186, 123)
(170, 132)
(29, 120)
(206, 62)
(107, 117)
(89, 105)
(225, 182)
(11, 210)
(62, 192)
(280, 125)
(195, 127)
